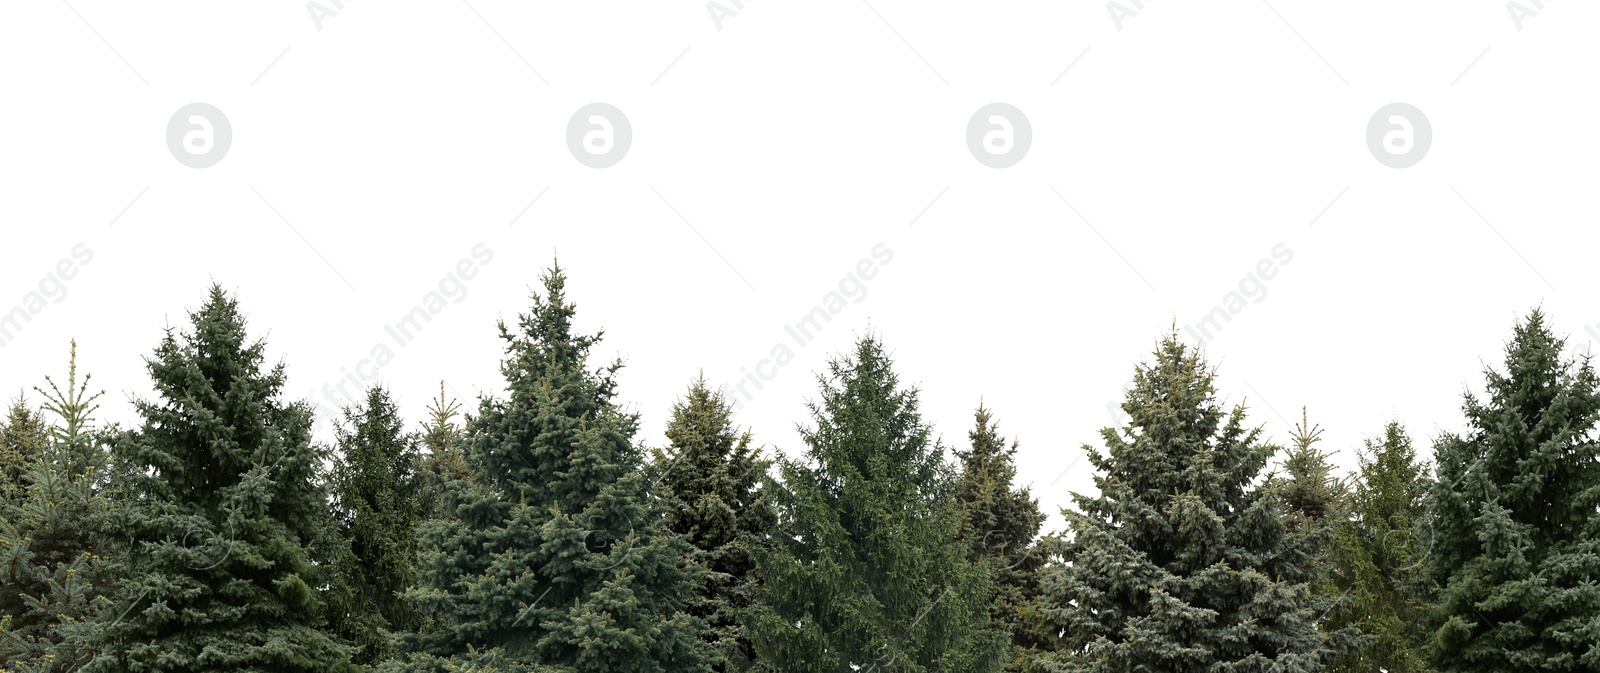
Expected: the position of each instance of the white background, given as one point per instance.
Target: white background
(793, 140)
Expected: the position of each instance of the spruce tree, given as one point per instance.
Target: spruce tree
(867, 571)
(53, 570)
(442, 436)
(1378, 558)
(553, 555)
(1313, 501)
(1516, 539)
(377, 483)
(1180, 564)
(23, 438)
(1001, 524)
(710, 481)
(222, 503)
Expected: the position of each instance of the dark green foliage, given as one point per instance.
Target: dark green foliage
(23, 438)
(377, 485)
(867, 570)
(710, 484)
(1379, 559)
(222, 503)
(1180, 564)
(1000, 523)
(53, 574)
(553, 552)
(1516, 541)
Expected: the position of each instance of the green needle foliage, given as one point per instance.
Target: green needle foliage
(24, 435)
(377, 485)
(1379, 558)
(442, 436)
(867, 571)
(222, 504)
(1516, 538)
(1181, 564)
(711, 485)
(553, 555)
(1000, 523)
(53, 570)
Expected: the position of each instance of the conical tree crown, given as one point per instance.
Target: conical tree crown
(711, 485)
(1180, 564)
(551, 388)
(24, 434)
(551, 551)
(1515, 525)
(868, 570)
(223, 505)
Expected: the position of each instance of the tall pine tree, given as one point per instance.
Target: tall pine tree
(1516, 538)
(377, 486)
(1378, 558)
(711, 484)
(223, 502)
(867, 572)
(554, 556)
(1001, 523)
(1180, 564)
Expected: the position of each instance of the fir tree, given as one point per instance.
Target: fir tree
(1180, 564)
(223, 502)
(376, 488)
(53, 574)
(1516, 540)
(1001, 523)
(553, 555)
(710, 481)
(1378, 559)
(867, 571)
(23, 438)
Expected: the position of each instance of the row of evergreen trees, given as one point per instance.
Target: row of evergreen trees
(537, 534)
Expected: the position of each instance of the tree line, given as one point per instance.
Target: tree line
(539, 533)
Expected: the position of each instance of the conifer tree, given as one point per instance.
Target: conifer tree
(553, 555)
(53, 571)
(1312, 499)
(377, 483)
(1001, 523)
(710, 481)
(442, 436)
(222, 504)
(1180, 564)
(23, 438)
(1378, 558)
(1516, 540)
(867, 572)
